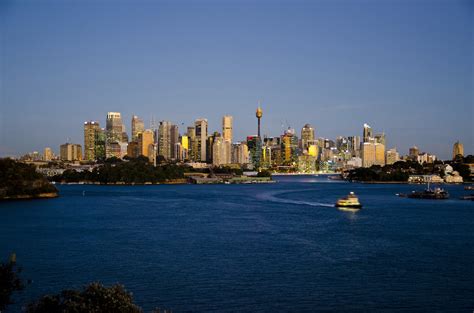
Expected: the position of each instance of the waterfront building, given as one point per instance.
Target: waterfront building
(392, 156)
(458, 149)
(307, 136)
(90, 130)
(354, 162)
(137, 127)
(145, 143)
(70, 152)
(373, 153)
(367, 133)
(47, 154)
(307, 164)
(201, 138)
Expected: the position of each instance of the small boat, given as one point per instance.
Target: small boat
(470, 197)
(351, 201)
(437, 194)
(470, 187)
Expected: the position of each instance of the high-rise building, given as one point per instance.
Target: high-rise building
(137, 127)
(133, 149)
(240, 153)
(373, 153)
(392, 156)
(227, 127)
(90, 130)
(289, 147)
(192, 144)
(174, 139)
(458, 149)
(413, 153)
(70, 152)
(380, 138)
(307, 135)
(114, 127)
(367, 133)
(47, 154)
(255, 150)
(164, 140)
(145, 144)
(100, 144)
(201, 138)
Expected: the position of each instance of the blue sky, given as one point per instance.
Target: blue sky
(404, 67)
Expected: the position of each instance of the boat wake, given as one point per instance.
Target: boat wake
(272, 196)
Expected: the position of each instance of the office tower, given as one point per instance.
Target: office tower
(100, 144)
(259, 114)
(47, 154)
(458, 149)
(426, 158)
(114, 127)
(90, 129)
(182, 152)
(210, 146)
(218, 151)
(227, 127)
(164, 139)
(313, 150)
(289, 146)
(342, 144)
(201, 138)
(392, 156)
(70, 152)
(193, 145)
(380, 138)
(137, 127)
(124, 134)
(133, 150)
(373, 153)
(255, 150)
(354, 142)
(307, 134)
(174, 139)
(367, 134)
(145, 144)
(240, 153)
(413, 153)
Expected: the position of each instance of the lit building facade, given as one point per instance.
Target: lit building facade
(458, 149)
(373, 153)
(70, 152)
(90, 130)
(200, 126)
(137, 127)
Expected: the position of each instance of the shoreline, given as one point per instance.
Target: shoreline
(44, 195)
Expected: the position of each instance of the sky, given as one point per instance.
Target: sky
(404, 67)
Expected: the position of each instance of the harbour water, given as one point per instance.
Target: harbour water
(255, 248)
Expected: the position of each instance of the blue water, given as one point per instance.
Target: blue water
(254, 248)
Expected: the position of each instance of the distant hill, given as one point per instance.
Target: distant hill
(21, 181)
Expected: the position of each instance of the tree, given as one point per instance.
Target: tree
(93, 298)
(9, 282)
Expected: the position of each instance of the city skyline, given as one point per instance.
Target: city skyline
(332, 65)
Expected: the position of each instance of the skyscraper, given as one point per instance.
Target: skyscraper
(90, 129)
(47, 154)
(201, 138)
(392, 156)
(373, 153)
(227, 127)
(458, 149)
(114, 127)
(307, 134)
(413, 153)
(174, 139)
(137, 127)
(367, 133)
(164, 140)
(145, 144)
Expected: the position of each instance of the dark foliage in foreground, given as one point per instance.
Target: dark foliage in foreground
(137, 171)
(17, 178)
(399, 171)
(93, 298)
(9, 282)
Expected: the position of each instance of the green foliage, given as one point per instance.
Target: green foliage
(399, 171)
(92, 298)
(9, 282)
(228, 170)
(137, 171)
(463, 170)
(18, 178)
(264, 173)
